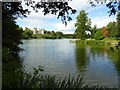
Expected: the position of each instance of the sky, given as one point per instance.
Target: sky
(98, 16)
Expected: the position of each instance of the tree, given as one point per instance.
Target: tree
(98, 35)
(105, 32)
(82, 24)
(53, 33)
(118, 23)
(93, 31)
(11, 35)
(61, 9)
(27, 33)
(112, 29)
(59, 35)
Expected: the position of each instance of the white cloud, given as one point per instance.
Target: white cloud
(102, 21)
(32, 23)
(79, 4)
(65, 29)
(39, 14)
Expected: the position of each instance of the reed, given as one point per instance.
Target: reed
(36, 80)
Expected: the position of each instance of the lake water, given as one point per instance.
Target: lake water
(98, 64)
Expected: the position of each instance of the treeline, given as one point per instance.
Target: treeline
(84, 30)
(28, 34)
(109, 31)
(48, 35)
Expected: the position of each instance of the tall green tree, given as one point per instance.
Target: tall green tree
(112, 29)
(93, 31)
(118, 23)
(82, 24)
(11, 33)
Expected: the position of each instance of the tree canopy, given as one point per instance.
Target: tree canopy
(82, 25)
(118, 23)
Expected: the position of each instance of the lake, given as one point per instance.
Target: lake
(98, 64)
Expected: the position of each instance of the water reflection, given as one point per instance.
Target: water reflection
(103, 52)
(98, 63)
(115, 58)
(81, 57)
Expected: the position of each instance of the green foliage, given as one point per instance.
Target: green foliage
(72, 36)
(37, 36)
(27, 33)
(61, 9)
(59, 35)
(11, 35)
(98, 35)
(112, 29)
(82, 24)
(118, 24)
(93, 31)
(53, 35)
(48, 36)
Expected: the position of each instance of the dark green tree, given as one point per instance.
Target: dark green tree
(59, 35)
(52, 33)
(61, 9)
(98, 35)
(112, 29)
(82, 25)
(27, 33)
(93, 31)
(11, 33)
(118, 23)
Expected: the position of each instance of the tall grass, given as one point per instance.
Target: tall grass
(36, 80)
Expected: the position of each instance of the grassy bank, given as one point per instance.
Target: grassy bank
(107, 42)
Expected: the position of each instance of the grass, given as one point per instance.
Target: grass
(106, 42)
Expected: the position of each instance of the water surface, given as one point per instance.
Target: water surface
(98, 64)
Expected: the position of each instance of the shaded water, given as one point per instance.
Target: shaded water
(98, 64)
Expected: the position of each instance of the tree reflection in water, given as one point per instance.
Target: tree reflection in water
(81, 57)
